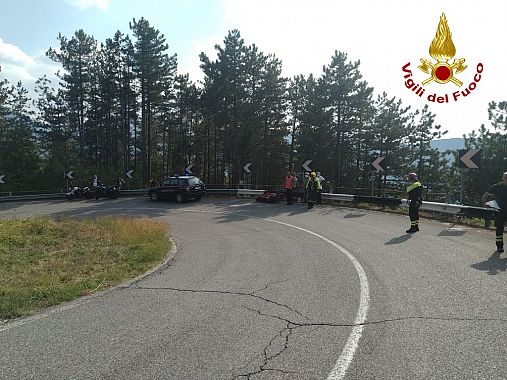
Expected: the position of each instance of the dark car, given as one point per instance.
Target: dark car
(179, 188)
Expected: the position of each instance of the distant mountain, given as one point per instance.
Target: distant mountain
(451, 144)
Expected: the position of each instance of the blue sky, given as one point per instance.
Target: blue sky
(384, 35)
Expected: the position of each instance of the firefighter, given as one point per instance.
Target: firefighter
(290, 183)
(414, 191)
(312, 188)
(319, 190)
(499, 191)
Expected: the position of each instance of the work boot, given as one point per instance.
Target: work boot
(412, 229)
(499, 248)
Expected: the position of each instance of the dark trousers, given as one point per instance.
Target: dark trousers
(290, 196)
(312, 195)
(319, 196)
(413, 213)
(499, 224)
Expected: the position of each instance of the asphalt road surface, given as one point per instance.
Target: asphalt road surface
(269, 291)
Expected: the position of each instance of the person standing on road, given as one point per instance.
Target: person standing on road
(95, 185)
(319, 190)
(499, 191)
(415, 191)
(312, 188)
(289, 185)
(306, 177)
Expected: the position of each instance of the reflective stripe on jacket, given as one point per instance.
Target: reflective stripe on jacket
(316, 180)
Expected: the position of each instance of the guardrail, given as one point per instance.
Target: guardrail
(459, 210)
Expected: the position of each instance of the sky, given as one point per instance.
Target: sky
(383, 35)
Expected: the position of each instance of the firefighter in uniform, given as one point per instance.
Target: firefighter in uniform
(290, 183)
(312, 187)
(499, 190)
(414, 191)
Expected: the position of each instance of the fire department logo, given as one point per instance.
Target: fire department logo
(443, 71)
(442, 49)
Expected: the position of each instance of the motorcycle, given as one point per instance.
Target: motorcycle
(108, 192)
(76, 192)
(73, 192)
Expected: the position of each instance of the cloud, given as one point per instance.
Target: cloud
(12, 53)
(16, 65)
(190, 62)
(84, 4)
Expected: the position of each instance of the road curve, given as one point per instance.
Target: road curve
(248, 297)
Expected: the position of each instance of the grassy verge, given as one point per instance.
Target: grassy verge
(44, 262)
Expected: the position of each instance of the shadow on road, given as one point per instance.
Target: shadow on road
(398, 240)
(493, 265)
(354, 215)
(453, 231)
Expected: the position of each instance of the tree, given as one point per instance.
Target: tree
(346, 95)
(155, 71)
(20, 159)
(56, 140)
(76, 57)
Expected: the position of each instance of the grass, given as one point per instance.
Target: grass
(44, 262)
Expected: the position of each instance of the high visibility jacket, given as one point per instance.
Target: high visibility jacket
(313, 184)
(289, 182)
(415, 191)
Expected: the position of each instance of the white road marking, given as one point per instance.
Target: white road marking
(344, 360)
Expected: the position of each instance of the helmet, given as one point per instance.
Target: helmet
(313, 175)
(412, 176)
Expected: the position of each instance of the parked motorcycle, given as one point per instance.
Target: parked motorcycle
(109, 192)
(76, 192)
(73, 192)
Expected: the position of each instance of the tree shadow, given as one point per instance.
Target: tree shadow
(493, 265)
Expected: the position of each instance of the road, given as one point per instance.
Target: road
(261, 291)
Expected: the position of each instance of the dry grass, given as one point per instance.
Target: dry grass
(44, 262)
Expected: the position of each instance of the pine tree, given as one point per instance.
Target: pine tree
(76, 56)
(346, 94)
(20, 158)
(155, 71)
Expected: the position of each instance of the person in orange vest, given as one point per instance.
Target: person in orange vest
(289, 185)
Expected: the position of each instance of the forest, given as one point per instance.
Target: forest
(122, 105)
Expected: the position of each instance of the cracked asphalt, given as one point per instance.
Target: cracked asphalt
(245, 298)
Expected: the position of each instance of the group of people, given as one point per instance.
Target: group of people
(312, 188)
(313, 193)
(497, 192)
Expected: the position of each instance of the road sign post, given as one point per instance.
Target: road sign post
(468, 159)
(376, 164)
(306, 165)
(246, 171)
(188, 170)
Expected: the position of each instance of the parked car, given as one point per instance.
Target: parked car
(179, 188)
